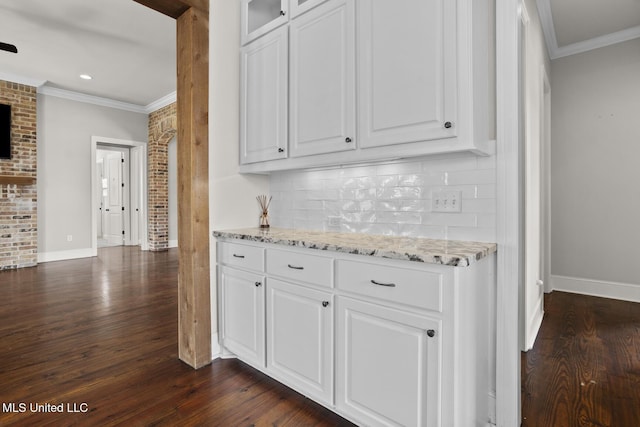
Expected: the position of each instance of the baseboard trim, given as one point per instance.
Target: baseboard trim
(173, 243)
(65, 255)
(597, 288)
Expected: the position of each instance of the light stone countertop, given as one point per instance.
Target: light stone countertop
(446, 252)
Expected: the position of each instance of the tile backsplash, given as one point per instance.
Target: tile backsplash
(390, 198)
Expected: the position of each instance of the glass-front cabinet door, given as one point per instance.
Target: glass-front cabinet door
(301, 6)
(261, 16)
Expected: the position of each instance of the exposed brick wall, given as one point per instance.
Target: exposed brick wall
(162, 129)
(18, 203)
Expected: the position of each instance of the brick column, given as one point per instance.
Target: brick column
(162, 129)
(18, 203)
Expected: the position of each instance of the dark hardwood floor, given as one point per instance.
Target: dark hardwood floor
(584, 369)
(100, 335)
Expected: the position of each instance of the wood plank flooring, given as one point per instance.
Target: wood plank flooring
(584, 369)
(102, 332)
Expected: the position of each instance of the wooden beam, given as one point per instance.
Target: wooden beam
(175, 8)
(194, 304)
(16, 180)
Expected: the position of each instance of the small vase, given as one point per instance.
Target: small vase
(264, 220)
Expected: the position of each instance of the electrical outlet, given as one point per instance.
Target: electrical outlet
(446, 201)
(69, 238)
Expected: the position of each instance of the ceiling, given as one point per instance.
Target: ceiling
(128, 49)
(575, 26)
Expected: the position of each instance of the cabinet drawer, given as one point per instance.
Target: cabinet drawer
(249, 257)
(418, 288)
(300, 267)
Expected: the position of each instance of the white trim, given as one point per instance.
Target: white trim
(216, 349)
(90, 99)
(173, 244)
(509, 220)
(597, 288)
(548, 28)
(14, 78)
(534, 324)
(160, 103)
(65, 255)
(95, 140)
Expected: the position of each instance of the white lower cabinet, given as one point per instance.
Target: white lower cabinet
(388, 365)
(381, 342)
(300, 338)
(242, 326)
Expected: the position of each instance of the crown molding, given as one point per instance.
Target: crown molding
(90, 99)
(23, 80)
(555, 52)
(160, 103)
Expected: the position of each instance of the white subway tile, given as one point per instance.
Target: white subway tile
(484, 176)
(476, 234)
(426, 231)
(457, 219)
(398, 168)
(479, 205)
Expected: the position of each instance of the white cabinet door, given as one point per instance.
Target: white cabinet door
(299, 7)
(388, 366)
(263, 98)
(300, 338)
(258, 17)
(406, 71)
(322, 89)
(242, 320)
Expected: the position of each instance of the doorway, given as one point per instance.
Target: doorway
(119, 193)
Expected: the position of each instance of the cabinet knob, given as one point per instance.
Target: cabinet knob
(282, 13)
(347, 140)
(325, 303)
(431, 333)
(280, 150)
(447, 125)
(258, 284)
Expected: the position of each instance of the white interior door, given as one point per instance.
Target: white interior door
(98, 207)
(136, 195)
(113, 204)
(533, 90)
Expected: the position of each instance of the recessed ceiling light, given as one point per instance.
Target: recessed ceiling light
(85, 76)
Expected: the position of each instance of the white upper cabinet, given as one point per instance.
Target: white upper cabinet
(322, 80)
(370, 80)
(407, 71)
(263, 98)
(299, 7)
(258, 17)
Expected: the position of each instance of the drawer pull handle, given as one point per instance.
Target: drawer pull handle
(238, 256)
(389, 285)
(258, 284)
(325, 303)
(295, 267)
(431, 333)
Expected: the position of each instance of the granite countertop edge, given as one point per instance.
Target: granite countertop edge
(455, 253)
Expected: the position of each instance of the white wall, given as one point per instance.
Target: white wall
(391, 198)
(595, 159)
(172, 174)
(232, 197)
(65, 129)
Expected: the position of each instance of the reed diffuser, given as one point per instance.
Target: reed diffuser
(264, 207)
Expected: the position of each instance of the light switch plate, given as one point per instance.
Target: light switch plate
(446, 201)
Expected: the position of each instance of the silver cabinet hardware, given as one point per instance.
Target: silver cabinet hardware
(238, 256)
(389, 285)
(295, 267)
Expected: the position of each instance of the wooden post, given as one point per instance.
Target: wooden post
(194, 303)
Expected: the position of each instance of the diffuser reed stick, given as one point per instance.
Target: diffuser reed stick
(264, 207)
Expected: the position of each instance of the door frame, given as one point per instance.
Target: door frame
(121, 143)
